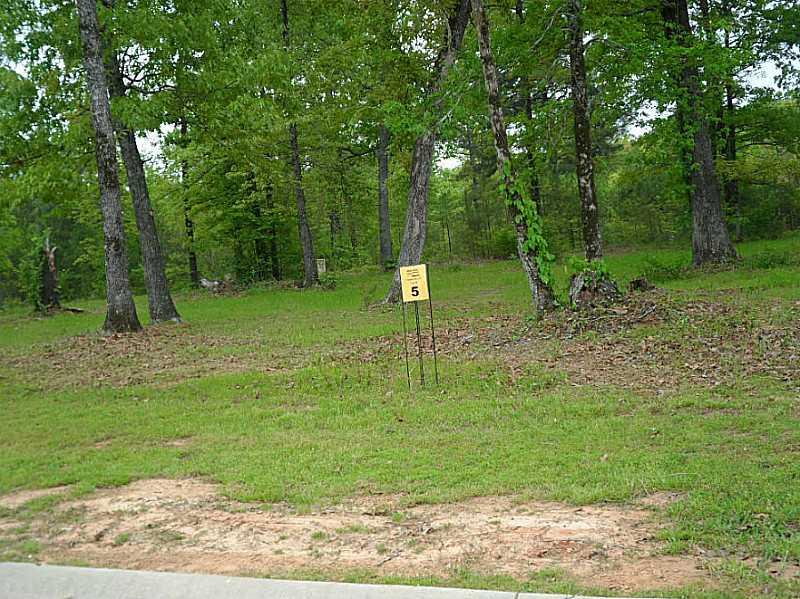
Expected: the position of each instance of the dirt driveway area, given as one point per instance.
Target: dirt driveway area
(187, 525)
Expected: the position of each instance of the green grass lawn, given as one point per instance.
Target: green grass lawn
(301, 396)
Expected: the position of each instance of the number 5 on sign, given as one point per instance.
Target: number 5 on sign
(414, 282)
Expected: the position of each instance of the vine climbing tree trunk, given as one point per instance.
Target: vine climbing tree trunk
(530, 151)
(584, 162)
(382, 152)
(533, 167)
(416, 226)
(531, 246)
(310, 274)
(121, 313)
(159, 300)
(711, 242)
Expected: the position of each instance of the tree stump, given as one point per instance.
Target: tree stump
(212, 285)
(640, 284)
(48, 296)
(591, 288)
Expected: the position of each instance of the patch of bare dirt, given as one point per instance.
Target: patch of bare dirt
(18, 498)
(650, 573)
(661, 499)
(179, 442)
(7, 526)
(186, 525)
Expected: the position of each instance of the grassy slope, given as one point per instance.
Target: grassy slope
(325, 425)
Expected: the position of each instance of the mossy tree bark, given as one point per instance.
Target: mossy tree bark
(194, 272)
(121, 313)
(416, 226)
(584, 161)
(159, 300)
(711, 242)
(310, 274)
(274, 260)
(49, 295)
(530, 150)
(530, 254)
(382, 153)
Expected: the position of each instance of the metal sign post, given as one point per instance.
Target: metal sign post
(415, 286)
(405, 344)
(419, 346)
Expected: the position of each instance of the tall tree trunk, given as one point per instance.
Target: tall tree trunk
(533, 167)
(335, 228)
(387, 252)
(416, 226)
(274, 261)
(524, 216)
(194, 273)
(351, 221)
(713, 84)
(471, 192)
(347, 203)
(530, 151)
(685, 151)
(260, 238)
(584, 162)
(711, 242)
(159, 300)
(473, 209)
(260, 246)
(241, 266)
(121, 315)
(732, 197)
(417, 212)
(446, 224)
(310, 274)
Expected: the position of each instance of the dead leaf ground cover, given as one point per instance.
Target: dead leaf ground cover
(655, 342)
(300, 399)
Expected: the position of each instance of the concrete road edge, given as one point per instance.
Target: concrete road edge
(32, 581)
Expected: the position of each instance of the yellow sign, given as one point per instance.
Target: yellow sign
(414, 281)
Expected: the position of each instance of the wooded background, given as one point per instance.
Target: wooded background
(280, 131)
